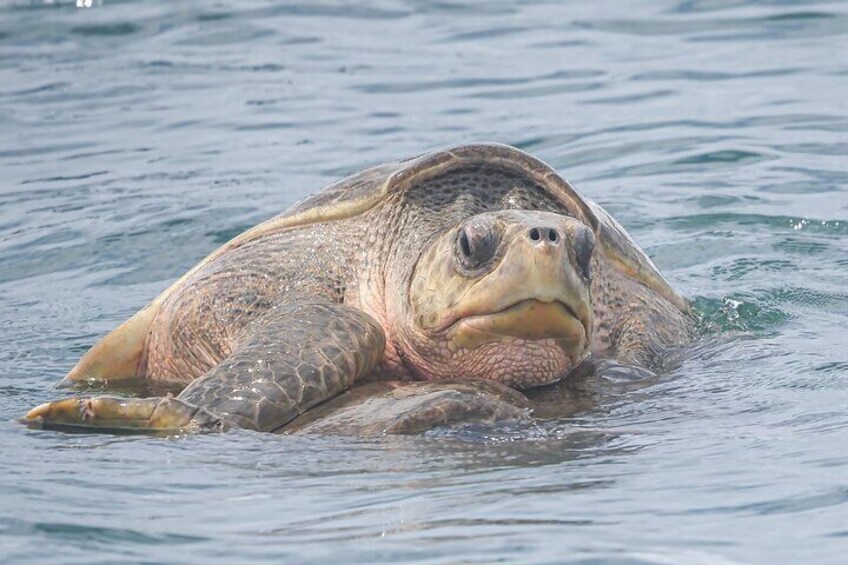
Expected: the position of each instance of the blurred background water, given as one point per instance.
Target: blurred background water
(136, 137)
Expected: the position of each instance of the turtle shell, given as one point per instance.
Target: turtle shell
(119, 353)
(356, 194)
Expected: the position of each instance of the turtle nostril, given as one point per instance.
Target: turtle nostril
(539, 234)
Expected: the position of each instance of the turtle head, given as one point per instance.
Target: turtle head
(503, 295)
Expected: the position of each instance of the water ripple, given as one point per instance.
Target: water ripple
(139, 136)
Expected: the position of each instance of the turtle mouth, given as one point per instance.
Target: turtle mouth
(529, 319)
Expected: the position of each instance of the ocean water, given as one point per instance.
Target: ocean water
(136, 137)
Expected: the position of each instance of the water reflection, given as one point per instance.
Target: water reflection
(138, 136)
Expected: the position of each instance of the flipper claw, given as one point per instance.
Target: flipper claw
(38, 412)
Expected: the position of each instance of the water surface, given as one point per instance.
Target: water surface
(136, 137)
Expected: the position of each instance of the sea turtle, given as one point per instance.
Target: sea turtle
(474, 262)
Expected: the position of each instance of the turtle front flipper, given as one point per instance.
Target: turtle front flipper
(115, 413)
(289, 361)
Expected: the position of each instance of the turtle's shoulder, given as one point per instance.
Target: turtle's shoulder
(625, 255)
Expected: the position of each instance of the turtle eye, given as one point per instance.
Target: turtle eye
(584, 247)
(475, 246)
(464, 244)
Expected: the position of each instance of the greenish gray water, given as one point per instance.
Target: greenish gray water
(135, 137)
